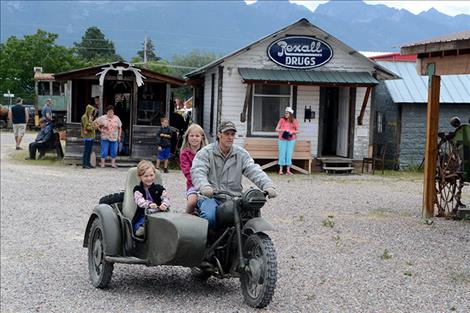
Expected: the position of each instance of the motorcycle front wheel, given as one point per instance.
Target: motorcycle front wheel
(258, 281)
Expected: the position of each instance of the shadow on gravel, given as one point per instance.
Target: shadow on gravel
(171, 284)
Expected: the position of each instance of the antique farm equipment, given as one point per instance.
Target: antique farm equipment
(453, 171)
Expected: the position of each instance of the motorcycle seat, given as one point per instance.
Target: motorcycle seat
(128, 205)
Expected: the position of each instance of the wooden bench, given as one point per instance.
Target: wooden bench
(267, 148)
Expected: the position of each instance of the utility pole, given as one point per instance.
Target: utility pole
(145, 50)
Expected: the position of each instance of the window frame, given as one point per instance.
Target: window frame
(254, 94)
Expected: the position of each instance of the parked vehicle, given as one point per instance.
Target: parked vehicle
(4, 116)
(239, 247)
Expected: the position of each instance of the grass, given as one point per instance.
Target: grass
(460, 277)
(328, 222)
(49, 160)
(386, 255)
(337, 240)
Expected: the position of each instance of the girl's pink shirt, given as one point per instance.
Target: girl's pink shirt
(285, 125)
(186, 161)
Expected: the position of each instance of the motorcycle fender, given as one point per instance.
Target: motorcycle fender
(257, 225)
(111, 229)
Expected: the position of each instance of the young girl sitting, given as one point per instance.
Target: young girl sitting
(194, 139)
(147, 196)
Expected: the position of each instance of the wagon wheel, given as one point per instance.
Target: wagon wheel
(449, 180)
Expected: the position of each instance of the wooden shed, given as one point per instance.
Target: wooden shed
(140, 97)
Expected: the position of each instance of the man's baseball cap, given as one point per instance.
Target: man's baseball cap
(225, 126)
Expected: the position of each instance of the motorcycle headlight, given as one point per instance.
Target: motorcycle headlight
(253, 199)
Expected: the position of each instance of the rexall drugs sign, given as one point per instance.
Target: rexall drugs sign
(300, 52)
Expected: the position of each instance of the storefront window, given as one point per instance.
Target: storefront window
(269, 101)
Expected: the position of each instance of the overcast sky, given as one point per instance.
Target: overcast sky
(448, 7)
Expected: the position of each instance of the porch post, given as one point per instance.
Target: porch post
(430, 154)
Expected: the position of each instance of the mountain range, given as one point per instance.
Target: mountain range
(177, 27)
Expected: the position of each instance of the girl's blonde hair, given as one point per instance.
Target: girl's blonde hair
(194, 127)
(143, 166)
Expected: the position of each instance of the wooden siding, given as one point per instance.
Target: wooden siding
(361, 132)
(308, 96)
(144, 142)
(235, 90)
(207, 99)
(74, 142)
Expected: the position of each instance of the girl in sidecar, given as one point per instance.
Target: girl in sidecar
(147, 196)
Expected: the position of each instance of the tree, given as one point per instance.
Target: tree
(20, 56)
(183, 64)
(161, 66)
(95, 48)
(151, 55)
(193, 60)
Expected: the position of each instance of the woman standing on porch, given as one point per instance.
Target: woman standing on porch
(287, 127)
(110, 127)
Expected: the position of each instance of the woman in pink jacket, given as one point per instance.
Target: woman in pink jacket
(194, 139)
(288, 128)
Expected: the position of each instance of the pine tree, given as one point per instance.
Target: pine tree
(95, 48)
(151, 55)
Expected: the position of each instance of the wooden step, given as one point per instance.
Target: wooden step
(335, 169)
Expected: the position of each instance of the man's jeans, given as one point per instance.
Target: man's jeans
(87, 152)
(208, 209)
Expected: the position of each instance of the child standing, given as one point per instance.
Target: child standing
(147, 196)
(194, 139)
(164, 144)
(87, 132)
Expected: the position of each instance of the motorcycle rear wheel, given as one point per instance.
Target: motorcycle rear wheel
(259, 280)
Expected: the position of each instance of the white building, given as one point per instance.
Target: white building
(302, 66)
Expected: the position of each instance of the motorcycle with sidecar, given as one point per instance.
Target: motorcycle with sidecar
(238, 247)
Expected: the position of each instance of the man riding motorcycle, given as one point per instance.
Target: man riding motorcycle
(220, 166)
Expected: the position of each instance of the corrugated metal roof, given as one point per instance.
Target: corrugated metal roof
(297, 76)
(465, 35)
(413, 88)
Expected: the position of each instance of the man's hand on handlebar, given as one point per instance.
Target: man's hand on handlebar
(271, 192)
(207, 191)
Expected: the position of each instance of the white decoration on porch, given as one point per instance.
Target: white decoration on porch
(120, 69)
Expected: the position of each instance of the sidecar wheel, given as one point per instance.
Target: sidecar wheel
(259, 280)
(100, 269)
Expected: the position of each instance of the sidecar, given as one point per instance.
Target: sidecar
(170, 238)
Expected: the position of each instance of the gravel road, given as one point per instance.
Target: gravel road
(344, 244)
